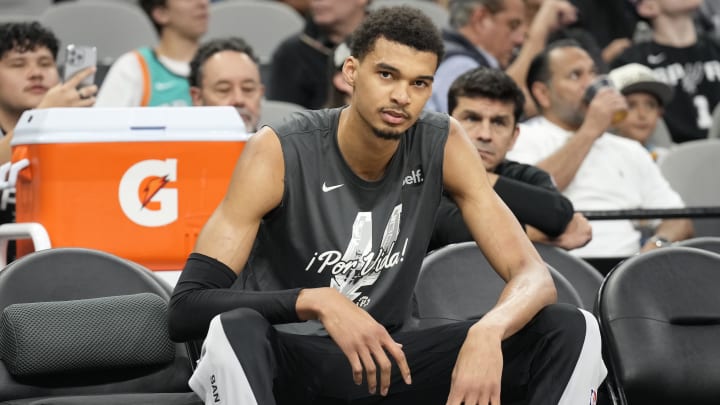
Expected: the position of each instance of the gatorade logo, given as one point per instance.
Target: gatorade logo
(144, 195)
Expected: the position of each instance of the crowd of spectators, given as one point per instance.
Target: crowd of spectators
(670, 77)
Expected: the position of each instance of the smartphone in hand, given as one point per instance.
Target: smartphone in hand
(77, 58)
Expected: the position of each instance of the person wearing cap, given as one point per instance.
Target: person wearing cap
(646, 98)
(595, 169)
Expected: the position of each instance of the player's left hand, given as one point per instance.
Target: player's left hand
(478, 369)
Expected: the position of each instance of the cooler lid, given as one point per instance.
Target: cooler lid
(129, 124)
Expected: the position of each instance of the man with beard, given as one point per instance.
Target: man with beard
(225, 72)
(488, 104)
(327, 218)
(595, 169)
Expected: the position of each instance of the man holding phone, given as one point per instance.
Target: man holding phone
(29, 77)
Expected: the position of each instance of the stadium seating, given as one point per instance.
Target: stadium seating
(584, 278)
(661, 135)
(692, 170)
(709, 243)
(84, 326)
(251, 20)
(456, 282)
(29, 8)
(274, 112)
(659, 315)
(113, 27)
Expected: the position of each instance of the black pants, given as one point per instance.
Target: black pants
(285, 368)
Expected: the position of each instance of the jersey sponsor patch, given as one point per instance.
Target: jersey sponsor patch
(415, 178)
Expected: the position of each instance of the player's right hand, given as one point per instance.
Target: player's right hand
(360, 337)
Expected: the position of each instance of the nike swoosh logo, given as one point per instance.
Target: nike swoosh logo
(655, 59)
(325, 188)
(161, 86)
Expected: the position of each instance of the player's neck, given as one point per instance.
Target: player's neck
(677, 32)
(367, 154)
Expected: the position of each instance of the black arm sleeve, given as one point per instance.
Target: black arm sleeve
(204, 290)
(547, 210)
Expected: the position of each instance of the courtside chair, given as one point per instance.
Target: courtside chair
(263, 24)
(659, 315)
(709, 243)
(584, 278)
(113, 27)
(692, 170)
(81, 326)
(273, 112)
(456, 282)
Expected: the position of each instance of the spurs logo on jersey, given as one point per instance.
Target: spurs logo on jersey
(689, 74)
(359, 266)
(691, 77)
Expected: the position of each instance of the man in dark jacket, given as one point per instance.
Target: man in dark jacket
(488, 104)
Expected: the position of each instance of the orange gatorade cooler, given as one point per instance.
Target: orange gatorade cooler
(136, 182)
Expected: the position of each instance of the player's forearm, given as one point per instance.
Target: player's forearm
(205, 290)
(523, 297)
(311, 302)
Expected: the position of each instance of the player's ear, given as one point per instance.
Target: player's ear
(349, 70)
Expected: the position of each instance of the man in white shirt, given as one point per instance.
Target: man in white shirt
(593, 168)
(157, 76)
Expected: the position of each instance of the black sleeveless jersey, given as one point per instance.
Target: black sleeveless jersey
(333, 229)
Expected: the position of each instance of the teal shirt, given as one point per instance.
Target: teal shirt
(161, 87)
